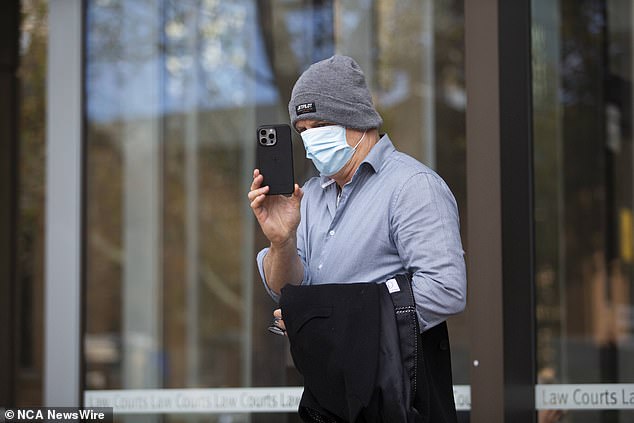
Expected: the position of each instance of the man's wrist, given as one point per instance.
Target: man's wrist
(282, 245)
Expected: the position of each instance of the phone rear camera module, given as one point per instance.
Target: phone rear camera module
(267, 136)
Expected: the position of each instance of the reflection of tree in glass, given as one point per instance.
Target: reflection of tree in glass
(31, 191)
(188, 44)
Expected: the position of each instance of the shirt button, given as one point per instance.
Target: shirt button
(320, 266)
(331, 233)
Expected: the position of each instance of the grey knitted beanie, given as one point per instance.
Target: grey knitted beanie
(334, 90)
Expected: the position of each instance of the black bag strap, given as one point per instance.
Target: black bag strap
(400, 289)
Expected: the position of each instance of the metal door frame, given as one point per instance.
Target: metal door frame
(500, 254)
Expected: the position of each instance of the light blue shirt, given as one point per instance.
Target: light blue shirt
(395, 216)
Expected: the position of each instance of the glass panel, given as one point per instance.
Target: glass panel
(174, 91)
(582, 73)
(30, 254)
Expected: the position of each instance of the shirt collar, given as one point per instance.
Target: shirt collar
(378, 154)
(375, 158)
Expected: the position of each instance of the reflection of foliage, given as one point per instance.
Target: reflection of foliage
(208, 40)
(579, 180)
(582, 63)
(32, 134)
(546, 156)
(32, 74)
(220, 222)
(582, 50)
(450, 102)
(117, 19)
(202, 49)
(195, 45)
(295, 35)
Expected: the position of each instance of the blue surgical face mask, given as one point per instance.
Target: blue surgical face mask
(327, 147)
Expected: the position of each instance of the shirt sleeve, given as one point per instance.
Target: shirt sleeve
(426, 231)
(260, 261)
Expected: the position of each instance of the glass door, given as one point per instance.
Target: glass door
(583, 156)
(175, 314)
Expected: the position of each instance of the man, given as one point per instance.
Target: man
(373, 213)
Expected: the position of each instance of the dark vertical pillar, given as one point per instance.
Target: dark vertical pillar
(516, 170)
(484, 251)
(500, 210)
(9, 39)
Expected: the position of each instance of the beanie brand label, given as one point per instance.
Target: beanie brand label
(305, 108)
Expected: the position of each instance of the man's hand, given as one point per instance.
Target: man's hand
(277, 215)
(279, 322)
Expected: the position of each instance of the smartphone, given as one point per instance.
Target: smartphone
(275, 158)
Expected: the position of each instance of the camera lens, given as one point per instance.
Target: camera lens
(263, 141)
(271, 136)
(263, 132)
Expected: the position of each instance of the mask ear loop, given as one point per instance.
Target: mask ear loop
(362, 137)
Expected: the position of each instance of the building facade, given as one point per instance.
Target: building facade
(128, 245)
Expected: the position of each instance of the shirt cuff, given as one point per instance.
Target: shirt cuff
(260, 260)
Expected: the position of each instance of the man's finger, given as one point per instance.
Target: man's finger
(257, 180)
(277, 314)
(280, 324)
(257, 202)
(298, 192)
(255, 193)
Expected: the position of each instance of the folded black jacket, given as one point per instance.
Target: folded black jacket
(356, 346)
